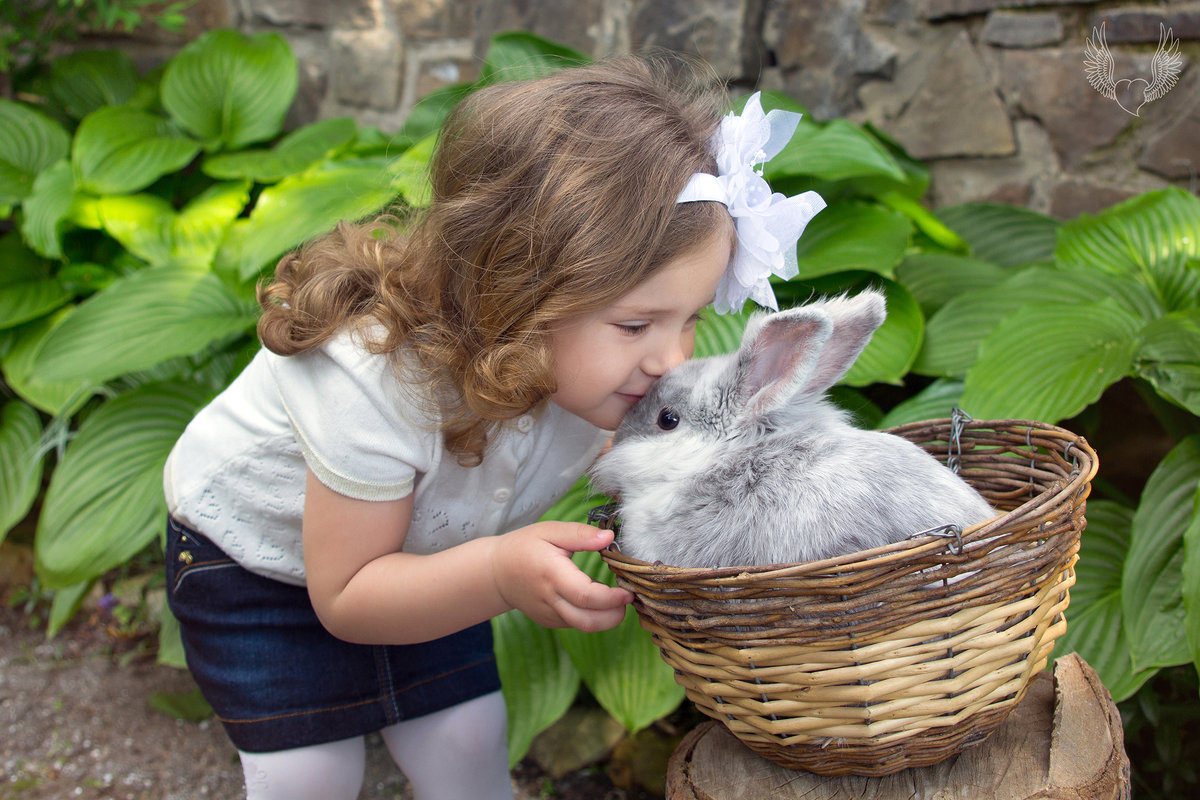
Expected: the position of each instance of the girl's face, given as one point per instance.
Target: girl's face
(605, 360)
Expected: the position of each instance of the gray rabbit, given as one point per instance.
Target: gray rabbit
(740, 460)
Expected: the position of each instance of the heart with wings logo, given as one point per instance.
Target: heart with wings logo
(1132, 93)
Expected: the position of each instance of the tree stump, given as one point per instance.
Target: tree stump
(1063, 741)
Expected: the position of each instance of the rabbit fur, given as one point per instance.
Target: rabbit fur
(760, 468)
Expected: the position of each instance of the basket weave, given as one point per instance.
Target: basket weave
(895, 657)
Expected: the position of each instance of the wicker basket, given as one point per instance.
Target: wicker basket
(895, 657)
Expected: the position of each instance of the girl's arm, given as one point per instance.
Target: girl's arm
(364, 590)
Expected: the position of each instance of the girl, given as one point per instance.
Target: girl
(350, 513)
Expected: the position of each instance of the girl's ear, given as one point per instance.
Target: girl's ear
(779, 353)
(855, 320)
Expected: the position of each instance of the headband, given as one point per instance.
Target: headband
(768, 224)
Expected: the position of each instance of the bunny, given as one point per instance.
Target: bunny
(739, 459)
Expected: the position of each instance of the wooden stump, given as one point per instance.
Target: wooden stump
(1063, 741)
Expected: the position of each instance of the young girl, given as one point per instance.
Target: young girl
(350, 513)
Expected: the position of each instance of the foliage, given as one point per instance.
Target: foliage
(28, 28)
(146, 208)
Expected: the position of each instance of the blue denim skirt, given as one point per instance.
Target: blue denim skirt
(278, 680)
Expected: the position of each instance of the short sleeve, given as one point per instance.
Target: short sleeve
(358, 433)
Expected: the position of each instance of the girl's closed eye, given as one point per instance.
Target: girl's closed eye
(632, 328)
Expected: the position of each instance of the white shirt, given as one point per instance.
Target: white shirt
(237, 473)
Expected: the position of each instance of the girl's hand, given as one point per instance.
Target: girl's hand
(533, 571)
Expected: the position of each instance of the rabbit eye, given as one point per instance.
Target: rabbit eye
(668, 419)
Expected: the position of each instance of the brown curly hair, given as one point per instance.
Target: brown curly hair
(551, 198)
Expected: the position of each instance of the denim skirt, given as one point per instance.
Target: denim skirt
(278, 680)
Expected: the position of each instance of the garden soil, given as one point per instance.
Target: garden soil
(76, 722)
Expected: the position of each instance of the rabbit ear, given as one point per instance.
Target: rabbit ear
(778, 355)
(855, 320)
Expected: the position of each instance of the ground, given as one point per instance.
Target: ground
(75, 722)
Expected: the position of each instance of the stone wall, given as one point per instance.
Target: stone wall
(992, 94)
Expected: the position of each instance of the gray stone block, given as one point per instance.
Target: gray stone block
(365, 67)
(1012, 29)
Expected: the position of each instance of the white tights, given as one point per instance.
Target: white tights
(456, 753)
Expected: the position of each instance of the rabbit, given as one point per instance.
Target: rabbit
(739, 459)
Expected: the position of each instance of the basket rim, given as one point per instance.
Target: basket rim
(1084, 458)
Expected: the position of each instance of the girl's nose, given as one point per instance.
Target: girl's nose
(670, 354)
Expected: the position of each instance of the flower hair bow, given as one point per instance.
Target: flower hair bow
(768, 223)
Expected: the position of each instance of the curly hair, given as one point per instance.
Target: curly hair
(551, 198)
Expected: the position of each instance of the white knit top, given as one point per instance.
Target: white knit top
(237, 473)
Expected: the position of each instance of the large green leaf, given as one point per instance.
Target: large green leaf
(90, 79)
(1169, 357)
(936, 401)
(836, 151)
(1050, 362)
(852, 235)
(300, 207)
(296, 152)
(47, 209)
(1149, 237)
(151, 229)
(104, 503)
(58, 398)
(229, 89)
(936, 278)
(1007, 236)
(1094, 620)
(20, 463)
(537, 677)
(721, 333)
(27, 290)
(955, 332)
(1151, 583)
(519, 56)
(119, 149)
(140, 320)
(410, 172)
(621, 666)
(1190, 586)
(29, 142)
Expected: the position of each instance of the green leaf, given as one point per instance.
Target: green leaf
(1169, 357)
(20, 463)
(301, 207)
(231, 89)
(26, 289)
(151, 229)
(427, 116)
(621, 666)
(85, 81)
(955, 332)
(837, 150)
(1094, 619)
(410, 172)
(936, 278)
(120, 149)
(57, 398)
(189, 706)
(1050, 362)
(717, 334)
(104, 503)
(66, 602)
(140, 320)
(852, 235)
(1007, 236)
(295, 153)
(893, 347)
(519, 56)
(29, 143)
(47, 209)
(936, 401)
(1151, 581)
(1148, 237)
(537, 677)
(170, 641)
(1190, 586)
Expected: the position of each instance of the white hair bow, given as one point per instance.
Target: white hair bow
(768, 223)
